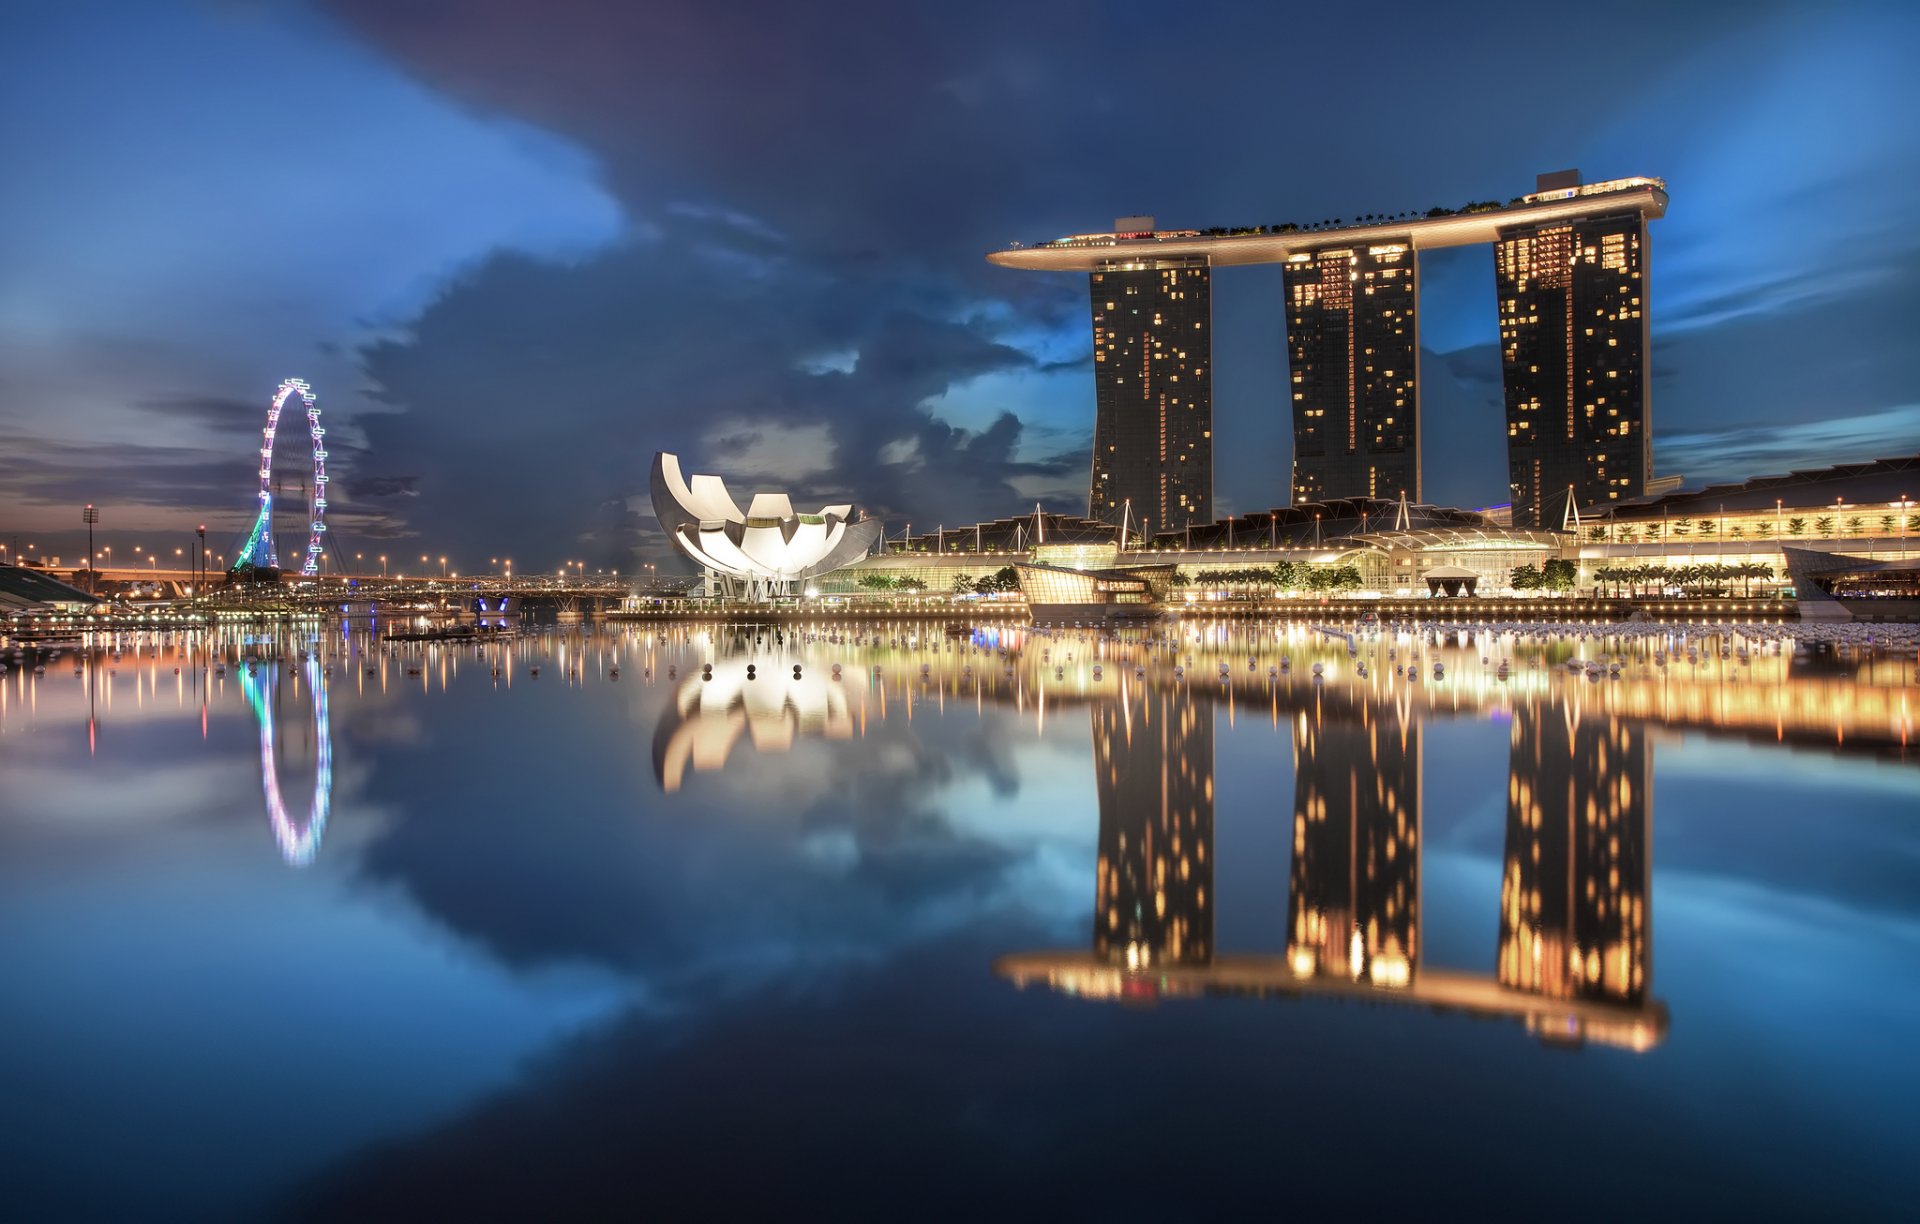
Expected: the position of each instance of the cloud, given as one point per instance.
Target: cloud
(531, 392)
(195, 228)
(218, 414)
(1741, 452)
(771, 450)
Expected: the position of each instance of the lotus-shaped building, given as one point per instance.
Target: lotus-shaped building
(767, 547)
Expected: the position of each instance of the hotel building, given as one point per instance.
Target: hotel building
(1153, 380)
(1353, 352)
(1570, 266)
(1573, 356)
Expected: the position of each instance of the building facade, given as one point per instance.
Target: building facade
(1353, 353)
(1573, 355)
(1153, 378)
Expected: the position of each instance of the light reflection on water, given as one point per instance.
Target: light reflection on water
(670, 811)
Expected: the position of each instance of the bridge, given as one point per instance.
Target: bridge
(178, 583)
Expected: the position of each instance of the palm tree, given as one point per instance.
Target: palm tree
(1796, 526)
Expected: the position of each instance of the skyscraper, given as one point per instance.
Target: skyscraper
(1153, 770)
(1573, 345)
(1571, 268)
(1353, 349)
(1153, 378)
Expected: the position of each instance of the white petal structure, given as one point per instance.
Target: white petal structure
(769, 543)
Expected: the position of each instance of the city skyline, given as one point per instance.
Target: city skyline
(558, 282)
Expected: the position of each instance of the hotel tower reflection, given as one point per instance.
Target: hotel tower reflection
(1353, 897)
(1575, 928)
(1153, 767)
(1574, 890)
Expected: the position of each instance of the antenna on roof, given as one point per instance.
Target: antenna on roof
(1570, 521)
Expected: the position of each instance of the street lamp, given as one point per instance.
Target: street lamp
(443, 567)
(383, 565)
(91, 515)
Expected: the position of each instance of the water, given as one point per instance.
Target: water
(412, 928)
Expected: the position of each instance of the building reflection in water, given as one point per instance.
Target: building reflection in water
(1575, 929)
(1153, 769)
(299, 840)
(1353, 898)
(1574, 891)
(708, 716)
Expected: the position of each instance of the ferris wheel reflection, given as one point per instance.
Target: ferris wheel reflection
(299, 840)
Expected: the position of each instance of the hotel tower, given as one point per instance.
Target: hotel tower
(1153, 385)
(1570, 264)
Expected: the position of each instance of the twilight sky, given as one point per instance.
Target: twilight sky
(517, 248)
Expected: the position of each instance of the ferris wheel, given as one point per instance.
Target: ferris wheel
(259, 552)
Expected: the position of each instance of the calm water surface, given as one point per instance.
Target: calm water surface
(968, 928)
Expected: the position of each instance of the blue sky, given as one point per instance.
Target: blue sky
(516, 256)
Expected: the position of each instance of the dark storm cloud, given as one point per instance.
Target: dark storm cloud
(531, 392)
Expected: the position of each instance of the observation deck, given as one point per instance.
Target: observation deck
(1090, 252)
